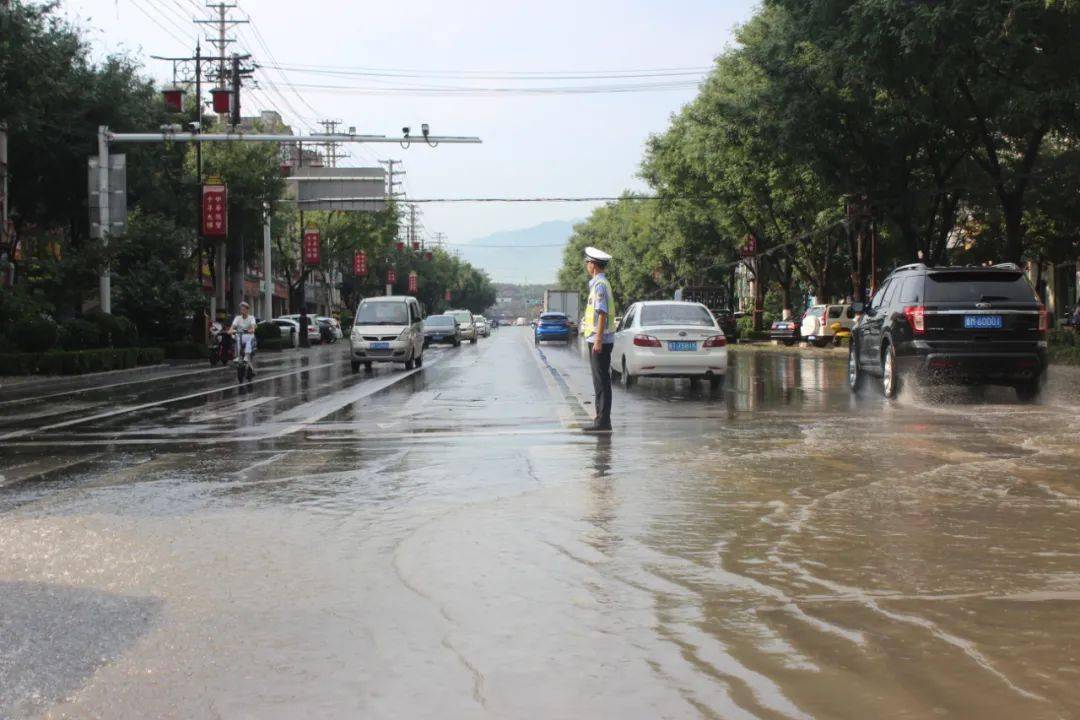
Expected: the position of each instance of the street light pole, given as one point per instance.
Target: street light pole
(104, 219)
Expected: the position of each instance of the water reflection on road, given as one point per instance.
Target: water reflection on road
(442, 544)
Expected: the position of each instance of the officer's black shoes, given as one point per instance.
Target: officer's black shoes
(597, 427)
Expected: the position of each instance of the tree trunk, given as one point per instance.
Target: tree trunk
(1013, 210)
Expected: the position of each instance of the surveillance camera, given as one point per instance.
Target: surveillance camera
(405, 131)
(424, 129)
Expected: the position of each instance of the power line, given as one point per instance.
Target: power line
(157, 22)
(315, 70)
(486, 74)
(458, 91)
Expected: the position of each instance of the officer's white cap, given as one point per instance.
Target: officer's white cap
(595, 255)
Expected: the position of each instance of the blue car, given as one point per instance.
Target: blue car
(553, 326)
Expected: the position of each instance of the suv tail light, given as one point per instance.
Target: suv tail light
(1044, 320)
(716, 341)
(646, 341)
(916, 317)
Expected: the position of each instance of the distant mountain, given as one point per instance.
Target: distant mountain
(532, 254)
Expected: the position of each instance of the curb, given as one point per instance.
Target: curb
(20, 382)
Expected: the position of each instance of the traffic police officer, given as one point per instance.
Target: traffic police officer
(598, 332)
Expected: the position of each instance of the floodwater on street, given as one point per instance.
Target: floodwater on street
(443, 543)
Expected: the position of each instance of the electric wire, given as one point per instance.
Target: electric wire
(313, 70)
(166, 13)
(157, 22)
(458, 91)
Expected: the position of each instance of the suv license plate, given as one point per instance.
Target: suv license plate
(682, 346)
(983, 322)
(380, 346)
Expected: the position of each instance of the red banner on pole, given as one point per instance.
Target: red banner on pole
(447, 296)
(391, 276)
(359, 264)
(749, 246)
(311, 247)
(414, 282)
(215, 213)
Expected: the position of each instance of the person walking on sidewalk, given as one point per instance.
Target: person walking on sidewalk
(599, 335)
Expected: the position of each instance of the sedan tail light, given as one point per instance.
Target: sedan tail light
(716, 341)
(916, 317)
(646, 341)
(1044, 320)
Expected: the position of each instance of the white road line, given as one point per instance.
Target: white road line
(157, 403)
(76, 391)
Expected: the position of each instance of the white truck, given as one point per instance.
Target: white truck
(567, 302)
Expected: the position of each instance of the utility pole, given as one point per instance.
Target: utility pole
(222, 41)
(331, 148)
(439, 238)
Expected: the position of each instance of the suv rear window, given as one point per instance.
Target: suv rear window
(968, 286)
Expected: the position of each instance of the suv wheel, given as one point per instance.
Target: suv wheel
(890, 374)
(854, 372)
(1031, 390)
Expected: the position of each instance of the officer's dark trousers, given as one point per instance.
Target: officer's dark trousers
(601, 378)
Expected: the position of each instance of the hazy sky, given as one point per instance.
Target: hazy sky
(534, 145)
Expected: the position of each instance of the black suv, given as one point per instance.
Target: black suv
(967, 325)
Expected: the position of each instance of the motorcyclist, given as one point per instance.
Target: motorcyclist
(244, 326)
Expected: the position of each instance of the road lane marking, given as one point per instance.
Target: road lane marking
(76, 391)
(158, 403)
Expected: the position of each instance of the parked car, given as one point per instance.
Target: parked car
(466, 323)
(728, 322)
(483, 329)
(967, 325)
(553, 326)
(787, 332)
(290, 330)
(314, 334)
(387, 329)
(669, 338)
(441, 329)
(824, 324)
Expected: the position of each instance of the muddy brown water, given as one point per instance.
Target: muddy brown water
(443, 544)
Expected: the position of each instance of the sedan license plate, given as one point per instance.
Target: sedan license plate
(436, 337)
(983, 322)
(380, 346)
(682, 346)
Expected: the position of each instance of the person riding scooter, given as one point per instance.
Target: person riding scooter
(221, 345)
(244, 326)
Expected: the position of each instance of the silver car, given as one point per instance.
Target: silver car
(466, 323)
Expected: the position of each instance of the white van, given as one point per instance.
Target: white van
(387, 329)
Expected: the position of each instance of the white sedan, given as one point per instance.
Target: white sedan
(661, 338)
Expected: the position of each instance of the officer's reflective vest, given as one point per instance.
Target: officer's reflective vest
(588, 327)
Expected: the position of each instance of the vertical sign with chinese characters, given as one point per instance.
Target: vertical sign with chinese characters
(414, 282)
(311, 247)
(215, 214)
(447, 297)
(391, 276)
(359, 264)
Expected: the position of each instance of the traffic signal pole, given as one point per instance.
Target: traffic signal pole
(107, 137)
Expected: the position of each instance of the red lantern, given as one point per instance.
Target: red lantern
(414, 282)
(215, 213)
(359, 264)
(311, 247)
(222, 100)
(391, 276)
(428, 256)
(400, 246)
(174, 99)
(415, 246)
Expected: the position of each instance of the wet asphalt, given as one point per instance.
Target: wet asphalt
(443, 543)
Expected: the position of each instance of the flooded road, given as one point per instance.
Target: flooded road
(443, 543)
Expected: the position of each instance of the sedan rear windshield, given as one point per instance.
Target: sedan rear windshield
(382, 313)
(971, 287)
(552, 319)
(440, 321)
(675, 315)
(462, 317)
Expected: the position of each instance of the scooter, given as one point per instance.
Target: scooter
(222, 347)
(244, 370)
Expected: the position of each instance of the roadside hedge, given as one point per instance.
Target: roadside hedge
(35, 334)
(77, 362)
